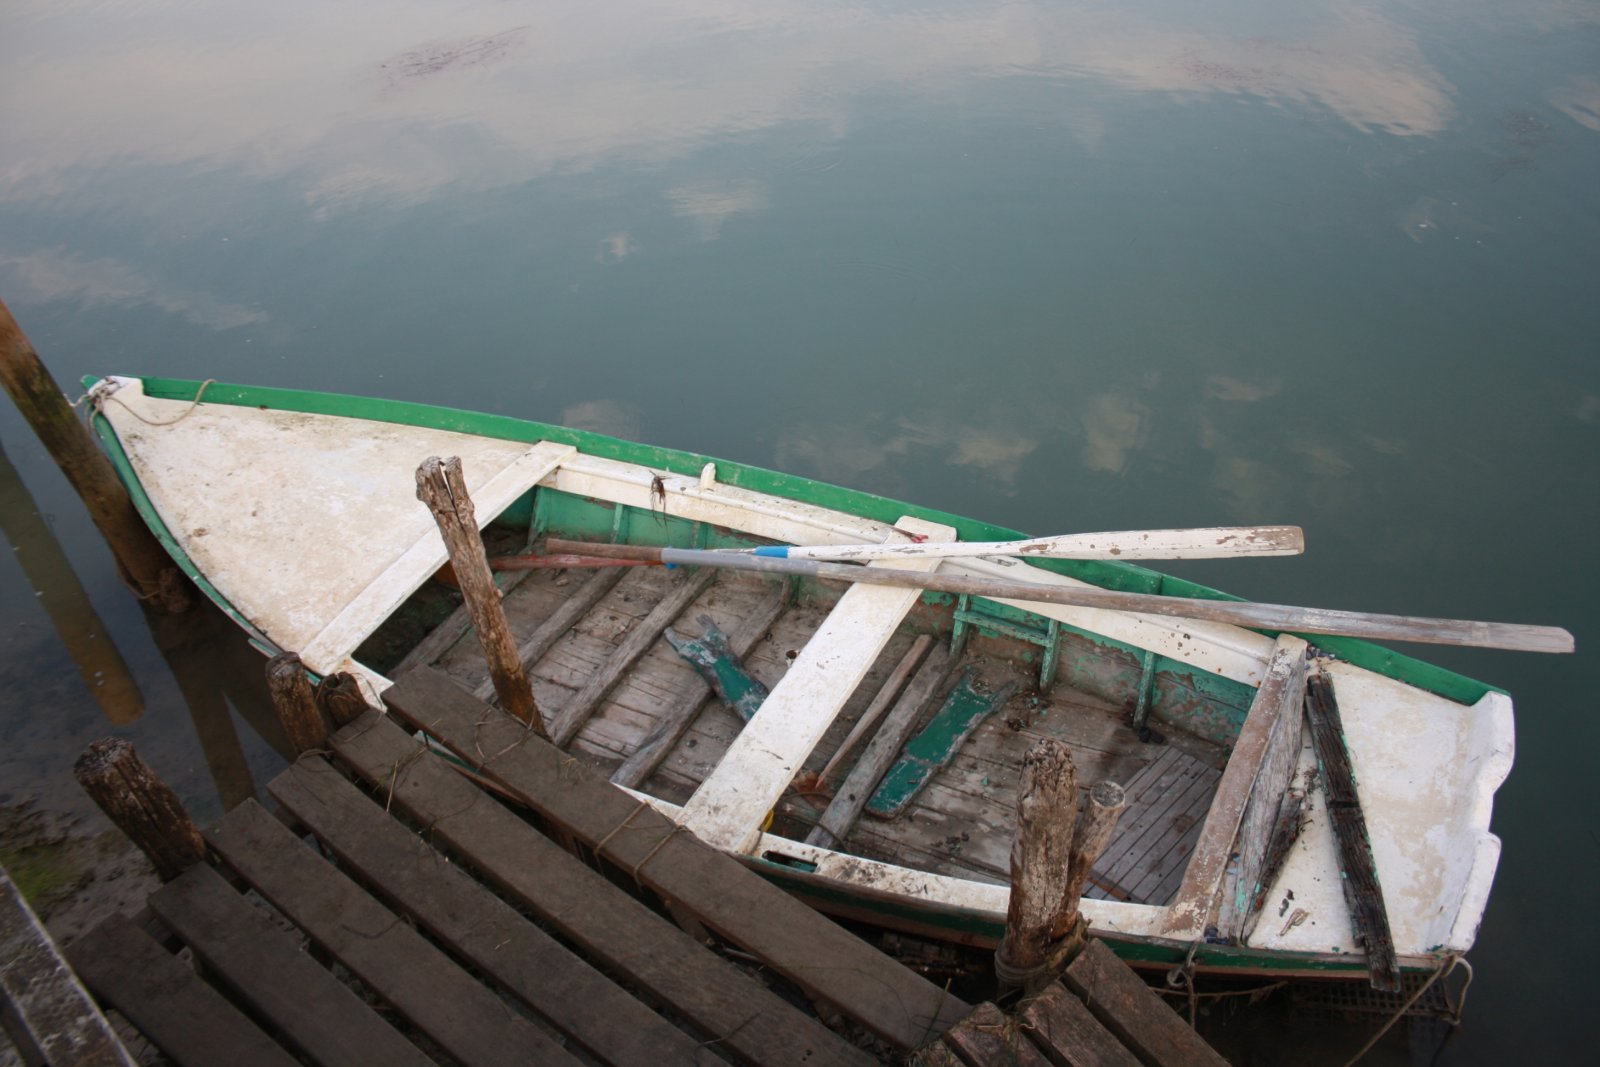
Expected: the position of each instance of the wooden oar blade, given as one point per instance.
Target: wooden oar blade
(1206, 543)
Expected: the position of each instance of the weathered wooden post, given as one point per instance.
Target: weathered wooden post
(141, 804)
(442, 487)
(1051, 855)
(339, 697)
(297, 707)
(1047, 797)
(1097, 820)
(141, 559)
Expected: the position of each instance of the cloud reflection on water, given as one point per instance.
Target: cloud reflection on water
(358, 109)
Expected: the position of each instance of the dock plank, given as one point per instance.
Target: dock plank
(443, 1001)
(830, 963)
(312, 1009)
(1068, 1033)
(477, 925)
(1126, 1007)
(735, 1011)
(987, 1037)
(190, 1022)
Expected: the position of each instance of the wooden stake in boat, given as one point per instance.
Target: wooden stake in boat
(1208, 543)
(441, 485)
(1280, 617)
(1051, 855)
(139, 556)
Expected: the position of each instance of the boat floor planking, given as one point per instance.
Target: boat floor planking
(1411, 748)
(959, 825)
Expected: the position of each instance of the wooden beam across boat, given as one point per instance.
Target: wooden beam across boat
(1518, 637)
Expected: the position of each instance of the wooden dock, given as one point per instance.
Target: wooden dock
(397, 910)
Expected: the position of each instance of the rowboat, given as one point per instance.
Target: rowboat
(297, 513)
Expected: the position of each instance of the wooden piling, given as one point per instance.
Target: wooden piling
(143, 806)
(296, 704)
(442, 487)
(1040, 853)
(1096, 822)
(339, 696)
(141, 559)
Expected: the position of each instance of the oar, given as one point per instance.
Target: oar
(1208, 543)
(1514, 636)
(563, 561)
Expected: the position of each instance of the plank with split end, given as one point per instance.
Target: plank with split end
(48, 1014)
(673, 723)
(191, 1023)
(728, 809)
(312, 1009)
(1360, 869)
(987, 1037)
(858, 786)
(560, 621)
(465, 1018)
(1127, 1007)
(733, 1011)
(477, 925)
(1068, 1033)
(1242, 885)
(1282, 691)
(575, 712)
(832, 964)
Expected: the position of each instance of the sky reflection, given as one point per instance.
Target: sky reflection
(395, 109)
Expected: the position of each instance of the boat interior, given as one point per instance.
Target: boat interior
(1010, 678)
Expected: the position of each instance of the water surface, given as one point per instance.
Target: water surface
(1062, 266)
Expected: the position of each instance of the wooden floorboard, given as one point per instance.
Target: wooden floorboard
(305, 1004)
(162, 996)
(460, 912)
(471, 1023)
(818, 956)
(727, 1006)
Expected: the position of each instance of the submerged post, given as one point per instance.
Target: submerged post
(141, 804)
(296, 705)
(141, 559)
(442, 487)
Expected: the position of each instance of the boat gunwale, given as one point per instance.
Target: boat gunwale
(684, 464)
(1104, 573)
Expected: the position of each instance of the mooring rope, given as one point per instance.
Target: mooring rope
(100, 395)
(1451, 962)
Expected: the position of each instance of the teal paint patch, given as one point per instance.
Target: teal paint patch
(938, 741)
(717, 664)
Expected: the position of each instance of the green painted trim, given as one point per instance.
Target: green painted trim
(1110, 575)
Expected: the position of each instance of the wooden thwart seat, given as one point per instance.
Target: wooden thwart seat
(729, 807)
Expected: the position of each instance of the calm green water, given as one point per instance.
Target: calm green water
(1064, 266)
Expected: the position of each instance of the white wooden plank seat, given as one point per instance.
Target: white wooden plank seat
(729, 808)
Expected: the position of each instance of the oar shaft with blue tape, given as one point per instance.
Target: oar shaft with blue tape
(1277, 617)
